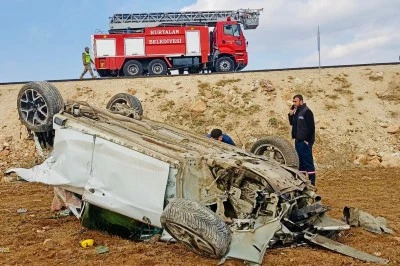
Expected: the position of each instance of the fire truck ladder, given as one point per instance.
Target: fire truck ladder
(120, 23)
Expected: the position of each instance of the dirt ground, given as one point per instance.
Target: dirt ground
(35, 238)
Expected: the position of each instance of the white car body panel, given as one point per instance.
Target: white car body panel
(122, 180)
(127, 182)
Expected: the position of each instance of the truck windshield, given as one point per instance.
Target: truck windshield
(233, 30)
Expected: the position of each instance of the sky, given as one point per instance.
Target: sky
(44, 39)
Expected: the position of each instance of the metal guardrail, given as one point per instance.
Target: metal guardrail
(214, 73)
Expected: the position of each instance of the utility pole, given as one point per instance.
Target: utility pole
(319, 50)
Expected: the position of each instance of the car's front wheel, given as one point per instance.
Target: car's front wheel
(197, 227)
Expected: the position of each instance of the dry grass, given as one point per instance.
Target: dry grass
(394, 114)
(167, 106)
(343, 90)
(216, 93)
(392, 93)
(252, 109)
(330, 106)
(332, 96)
(224, 82)
(247, 96)
(273, 121)
(254, 123)
(236, 89)
(158, 92)
(223, 115)
(203, 85)
(229, 126)
(376, 77)
(304, 90)
(342, 81)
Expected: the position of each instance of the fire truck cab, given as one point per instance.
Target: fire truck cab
(156, 43)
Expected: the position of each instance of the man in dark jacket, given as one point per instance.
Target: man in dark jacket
(301, 118)
(218, 135)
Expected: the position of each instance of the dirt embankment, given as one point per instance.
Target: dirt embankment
(357, 110)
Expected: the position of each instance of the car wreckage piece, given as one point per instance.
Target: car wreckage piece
(136, 177)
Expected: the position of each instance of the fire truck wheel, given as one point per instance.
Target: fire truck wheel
(121, 99)
(157, 67)
(37, 103)
(133, 68)
(224, 64)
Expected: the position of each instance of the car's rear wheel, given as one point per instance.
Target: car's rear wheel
(197, 227)
(276, 148)
(126, 100)
(37, 103)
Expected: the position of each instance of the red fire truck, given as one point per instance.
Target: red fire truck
(155, 43)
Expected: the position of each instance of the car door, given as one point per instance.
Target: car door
(127, 182)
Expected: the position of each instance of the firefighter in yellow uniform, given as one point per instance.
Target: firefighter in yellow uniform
(87, 61)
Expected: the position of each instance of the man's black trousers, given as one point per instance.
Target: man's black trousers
(306, 159)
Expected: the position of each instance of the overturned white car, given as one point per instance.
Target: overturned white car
(137, 177)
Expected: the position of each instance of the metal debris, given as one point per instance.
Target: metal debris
(4, 250)
(22, 210)
(101, 249)
(358, 218)
(343, 249)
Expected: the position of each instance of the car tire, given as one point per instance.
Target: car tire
(132, 68)
(197, 227)
(37, 103)
(280, 149)
(125, 98)
(157, 67)
(224, 64)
